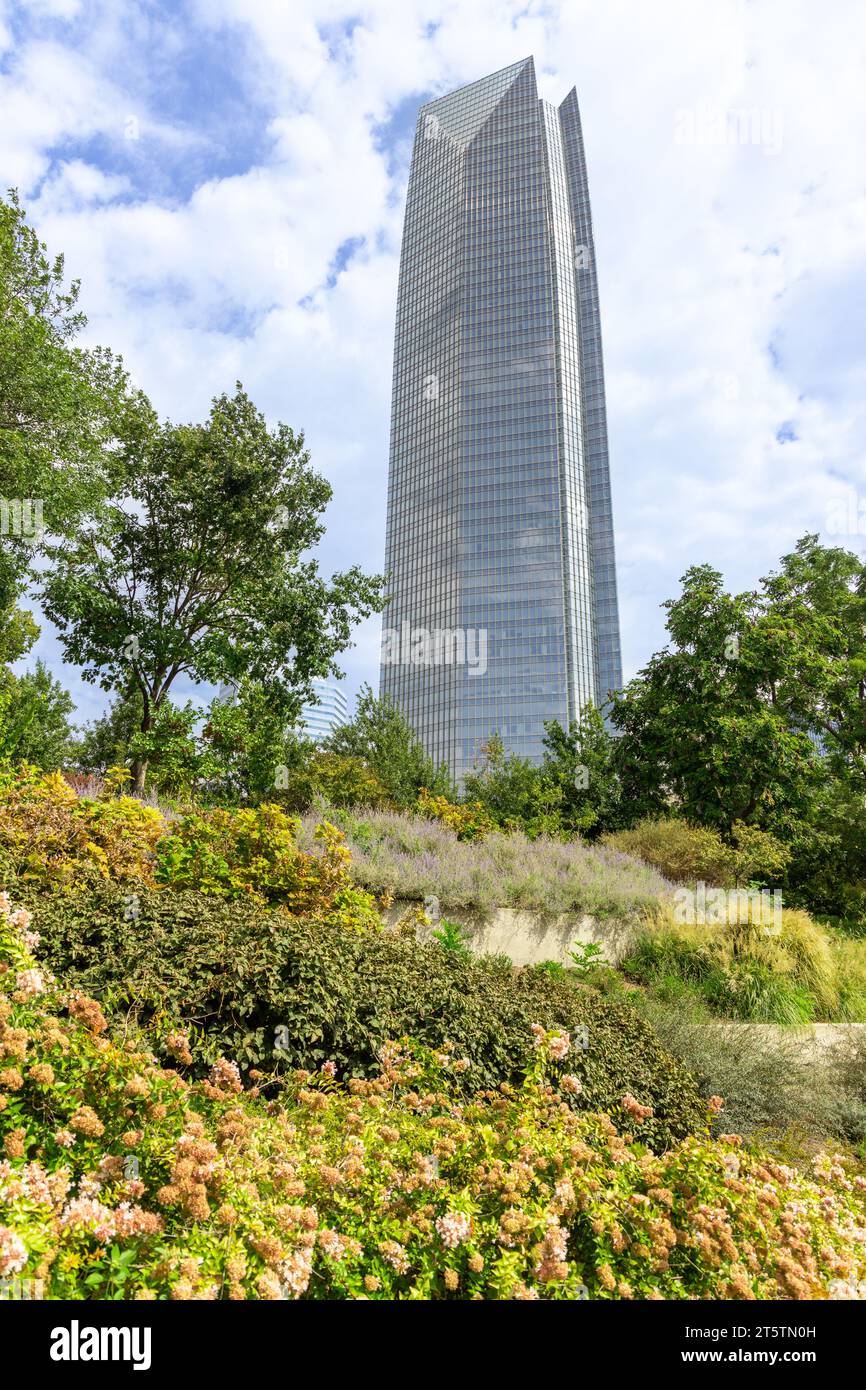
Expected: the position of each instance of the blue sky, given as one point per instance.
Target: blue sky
(227, 179)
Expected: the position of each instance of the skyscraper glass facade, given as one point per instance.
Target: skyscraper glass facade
(331, 710)
(500, 531)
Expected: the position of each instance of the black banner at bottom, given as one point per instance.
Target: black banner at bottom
(63, 1340)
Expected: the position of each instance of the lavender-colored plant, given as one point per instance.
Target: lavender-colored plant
(414, 858)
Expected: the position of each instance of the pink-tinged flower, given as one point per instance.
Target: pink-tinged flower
(524, 1294)
(454, 1228)
(20, 919)
(35, 1184)
(564, 1194)
(10, 1181)
(13, 1252)
(295, 1272)
(395, 1254)
(135, 1221)
(30, 982)
(552, 1263)
(225, 1075)
(634, 1108)
(331, 1243)
(64, 1137)
(5, 905)
(329, 1068)
(572, 1084)
(851, 1288)
(555, 1045)
(390, 1056)
(715, 1104)
(87, 1214)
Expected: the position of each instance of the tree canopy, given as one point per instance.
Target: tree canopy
(200, 566)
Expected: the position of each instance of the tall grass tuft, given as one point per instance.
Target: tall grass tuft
(799, 973)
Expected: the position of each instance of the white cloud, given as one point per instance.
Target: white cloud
(708, 253)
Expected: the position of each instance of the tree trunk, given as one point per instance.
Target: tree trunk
(139, 766)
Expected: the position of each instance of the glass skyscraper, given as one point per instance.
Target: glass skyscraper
(319, 720)
(500, 554)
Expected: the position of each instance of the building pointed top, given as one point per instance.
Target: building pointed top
(570, 103)
(462, 113)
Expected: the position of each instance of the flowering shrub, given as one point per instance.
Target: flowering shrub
(53, 840)
(120, 1179)
(253, 853)
(245, 976)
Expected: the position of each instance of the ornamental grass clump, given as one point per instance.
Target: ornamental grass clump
(121, 1179)
(790, 970)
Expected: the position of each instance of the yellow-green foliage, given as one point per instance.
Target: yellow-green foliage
(785, 969)
(687, 853)
(122, 1180)
(253, 853)
(52, 839)
(341, 780)
(469, 822)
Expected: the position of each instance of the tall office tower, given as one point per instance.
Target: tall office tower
(319, 720)
(503, 611)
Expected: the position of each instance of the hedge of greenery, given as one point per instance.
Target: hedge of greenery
(251, 981)
(686, 853)
(122, 1180)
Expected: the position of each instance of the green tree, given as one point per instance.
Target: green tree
(381, 737)
(171, 750)
(60, 404)
(816, 606)
(34, 708)
(200, 566)
(253, 752)
(34, 719)
(336, 778)
(18, 632)
(514, 792)
(105, 742)
(703, 731)
(581, 762)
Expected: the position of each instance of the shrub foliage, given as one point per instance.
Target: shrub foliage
(121, 1179)
(252, 982)
(53, 840)
(686, 853)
